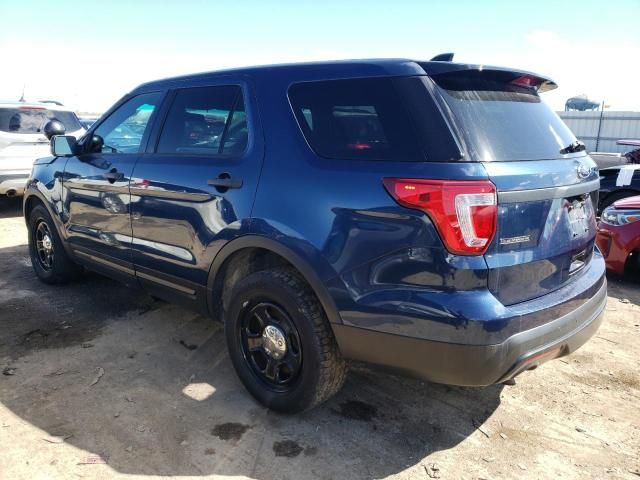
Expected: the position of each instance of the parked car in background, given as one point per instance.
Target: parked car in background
(606, 159)
(23, 139)
(633, 155)
(434, 218)
(618, 182)
(619, 236)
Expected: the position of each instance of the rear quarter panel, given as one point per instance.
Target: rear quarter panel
(337, 215)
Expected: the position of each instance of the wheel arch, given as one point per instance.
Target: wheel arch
(218, 283)
(32, 198)
(29, 202)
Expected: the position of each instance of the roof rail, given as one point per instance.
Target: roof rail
(443, 57)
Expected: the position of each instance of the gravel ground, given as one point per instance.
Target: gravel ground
(102, 381)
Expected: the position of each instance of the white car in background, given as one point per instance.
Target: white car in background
(22, 139)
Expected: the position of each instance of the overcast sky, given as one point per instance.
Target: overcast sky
(88, 54)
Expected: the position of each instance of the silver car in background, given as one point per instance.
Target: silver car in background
(22, 139)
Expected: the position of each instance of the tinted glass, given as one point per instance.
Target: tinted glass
(355, 119)
(205, 121)
(501, 120)
(123, 130)
(27, 120)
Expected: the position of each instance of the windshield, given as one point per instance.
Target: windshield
(502, 121)
(33, 120)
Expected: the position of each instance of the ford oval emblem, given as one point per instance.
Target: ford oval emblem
(583, 170)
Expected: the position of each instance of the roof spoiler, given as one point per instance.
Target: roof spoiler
(444, 70)
(443, 57)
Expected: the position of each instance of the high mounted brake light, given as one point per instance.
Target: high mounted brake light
(464, 212)
(530, 81)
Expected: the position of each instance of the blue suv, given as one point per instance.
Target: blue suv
(434, 218)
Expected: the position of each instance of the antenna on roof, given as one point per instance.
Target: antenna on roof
(443, 57)
(22, 97)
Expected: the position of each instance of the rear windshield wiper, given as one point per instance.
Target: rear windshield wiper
(576, 146)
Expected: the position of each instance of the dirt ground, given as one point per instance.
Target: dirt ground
(102, 381)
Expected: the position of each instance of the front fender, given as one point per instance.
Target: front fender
(45, 187)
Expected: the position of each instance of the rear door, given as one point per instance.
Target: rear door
(193, 190)
(546, 185)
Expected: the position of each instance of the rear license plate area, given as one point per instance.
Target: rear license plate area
(578, 214)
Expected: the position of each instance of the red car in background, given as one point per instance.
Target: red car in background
(619, 235)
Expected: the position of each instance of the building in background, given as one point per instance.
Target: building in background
(599, 131)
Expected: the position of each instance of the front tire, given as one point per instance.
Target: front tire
(48, 257)
(280, 342)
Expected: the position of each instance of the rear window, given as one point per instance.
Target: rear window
(355, 119)
(28, 120)
(502, 121)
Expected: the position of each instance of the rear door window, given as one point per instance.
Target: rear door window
(206, 121)
(355, 119)
(33, 119)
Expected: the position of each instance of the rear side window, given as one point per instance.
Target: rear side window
(355, 119)
(206, 121)
(33, 120)
(500, 119)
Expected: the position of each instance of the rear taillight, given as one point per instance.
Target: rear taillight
(464, 212)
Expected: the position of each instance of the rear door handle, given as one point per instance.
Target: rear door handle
(225, 181)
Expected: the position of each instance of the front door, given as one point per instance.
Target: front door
(96, 186)
(194, 188)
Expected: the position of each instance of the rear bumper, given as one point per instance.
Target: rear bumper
(475, 365)
(14, 182)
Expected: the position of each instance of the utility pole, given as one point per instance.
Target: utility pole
(599, 126)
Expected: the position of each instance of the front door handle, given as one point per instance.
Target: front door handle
(225, 181)
(113, 176)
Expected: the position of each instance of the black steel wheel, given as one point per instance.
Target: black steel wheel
(44, 245)
(271, 345)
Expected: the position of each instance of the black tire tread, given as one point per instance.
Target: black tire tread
(333, 369)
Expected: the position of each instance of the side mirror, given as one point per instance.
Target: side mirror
(95, 144)
(63, 145)
(54, 127)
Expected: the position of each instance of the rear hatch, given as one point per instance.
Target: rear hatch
(22, 138)
(546, 185)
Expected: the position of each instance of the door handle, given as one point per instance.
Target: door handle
(225, 181)
(113, 176)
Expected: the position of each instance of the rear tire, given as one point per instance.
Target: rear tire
(311, 368)
(48, 256)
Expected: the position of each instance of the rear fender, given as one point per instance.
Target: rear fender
(300, 254)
